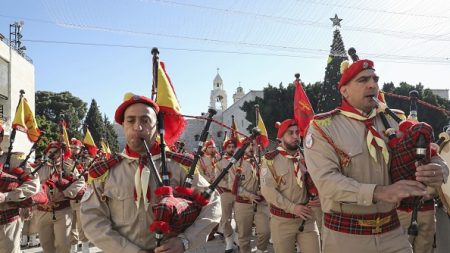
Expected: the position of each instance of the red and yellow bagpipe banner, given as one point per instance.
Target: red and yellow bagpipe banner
(303, 112)
(89, 143)
(263, 139)
(25, 121)
(105, 148)
(174, 122)
(234, 132)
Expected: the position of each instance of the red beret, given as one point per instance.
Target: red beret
(53, 144)
(228, 142)
(283, 126)
(131, 99)
(209, 143)
(351, 71)
(75, 142)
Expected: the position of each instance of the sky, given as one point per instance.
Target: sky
(100, 49)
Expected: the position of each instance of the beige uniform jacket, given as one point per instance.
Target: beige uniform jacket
(349, 189)
(26, 190)
(208, 167)
(225, 182)
(70, 192)
(113, 222)
(248, 183)
(282, 189)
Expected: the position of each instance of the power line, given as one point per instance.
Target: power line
(381, 57)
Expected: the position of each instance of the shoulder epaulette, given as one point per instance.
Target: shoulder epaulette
(271, 154)
(180, 158)
(324, 119)
(99, 170)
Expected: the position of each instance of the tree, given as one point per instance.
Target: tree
(277, 105)
(50, 106)
(94, 122)
(435, 118)
(330, 97)
(110, 135)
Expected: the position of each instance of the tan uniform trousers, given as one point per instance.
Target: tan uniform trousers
(285, 234)
(426, 220)
(318, 217)
(227, 201)
(10, 237)
(76, 232)
(390, 242)
(245, 217)
(54, 235)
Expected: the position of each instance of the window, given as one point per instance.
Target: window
(197, 137)
(219, 134)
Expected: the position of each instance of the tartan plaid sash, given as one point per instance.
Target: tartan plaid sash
(281, 213)
(427, 205)
(9, 216)
(365, 224)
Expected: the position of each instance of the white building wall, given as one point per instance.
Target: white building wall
(195, 126)
(21, 75)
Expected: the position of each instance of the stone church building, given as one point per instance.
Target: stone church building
(219, 101)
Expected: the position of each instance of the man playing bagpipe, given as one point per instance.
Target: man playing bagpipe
(250, 207)
(283, 185)
(349, 161)
(116, 211)
(55, 218)
(15, 187)
(78, 162)
(226, 197)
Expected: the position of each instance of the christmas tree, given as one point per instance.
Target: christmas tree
(330, 97)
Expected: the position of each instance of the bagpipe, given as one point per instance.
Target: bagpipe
(411, 144)
(14, 178)
(179, 207)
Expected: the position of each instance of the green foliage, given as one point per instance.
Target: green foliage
(50, 107)
(434, 117)
(278, 105)
(110, 135)
(94, 122)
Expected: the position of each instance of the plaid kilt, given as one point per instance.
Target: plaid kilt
(180, 213)
(9, 216)
(281, 213)
(404, 152)
(353, 223)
